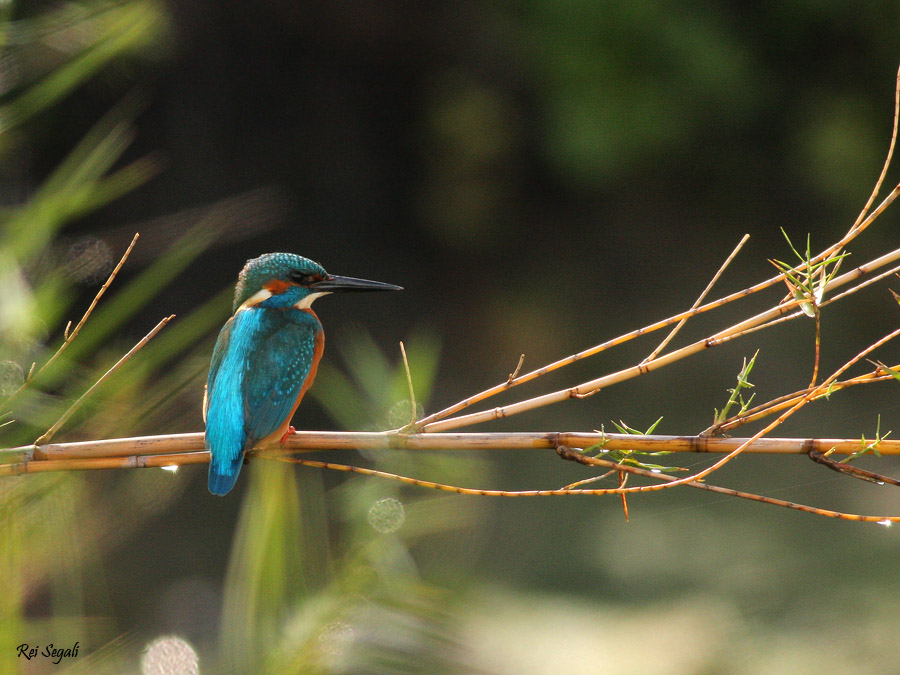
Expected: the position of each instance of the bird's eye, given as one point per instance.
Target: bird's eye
(301, 278)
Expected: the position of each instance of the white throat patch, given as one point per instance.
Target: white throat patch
(307, 302)
(255, 299)
(265, 294)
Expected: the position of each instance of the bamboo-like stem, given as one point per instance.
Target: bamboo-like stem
(113, 447)
(859, 271)
(763, 318)
(516, 379)
(182, 459)
(47, 435)
(595, 385)
(862, 270)
(189, 448)
(87, 463)
(699, 299)
(334, 440)
(871, 280)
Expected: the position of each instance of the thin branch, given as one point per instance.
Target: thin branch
(887, 161)
(764, 318)
(592, 351)
(515, 373)
(696, 304)
(787, 400)
(47, 435)
(871, 280)
(818, 345)
(412, 393)
(700, 475)
(476, 492)
(69, 336)
(593, 386)
(855, 273)
(569, 453)
(431, 420)
(850, 470)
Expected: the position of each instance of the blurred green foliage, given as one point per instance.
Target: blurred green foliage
(54, 528)
(663, 96)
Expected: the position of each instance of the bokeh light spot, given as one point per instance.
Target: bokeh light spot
(88, 260)
(400, 413)
(11, 377)
(169, 655)
(386, 515)
(335, 638)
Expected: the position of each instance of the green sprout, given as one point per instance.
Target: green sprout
(868, 446)
(628, 457)
(625, 429)
(736, 398)
(808, 285)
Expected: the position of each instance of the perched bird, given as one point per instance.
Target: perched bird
(266, 357)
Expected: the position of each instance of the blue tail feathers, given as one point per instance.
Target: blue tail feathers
(222, 478)
(225, 436)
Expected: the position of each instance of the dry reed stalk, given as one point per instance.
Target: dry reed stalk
(47, 435)
(69, 336)
(189, 448)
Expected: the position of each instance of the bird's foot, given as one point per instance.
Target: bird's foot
(287, 433)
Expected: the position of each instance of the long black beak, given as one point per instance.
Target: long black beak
(336, 284)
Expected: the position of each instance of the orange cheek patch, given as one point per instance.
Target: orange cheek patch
(276, 286)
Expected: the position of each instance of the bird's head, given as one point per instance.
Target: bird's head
(280, 280)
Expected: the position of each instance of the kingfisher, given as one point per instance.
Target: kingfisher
(266, 358)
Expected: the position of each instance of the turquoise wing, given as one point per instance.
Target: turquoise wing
(277, 371)
(261, 361)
